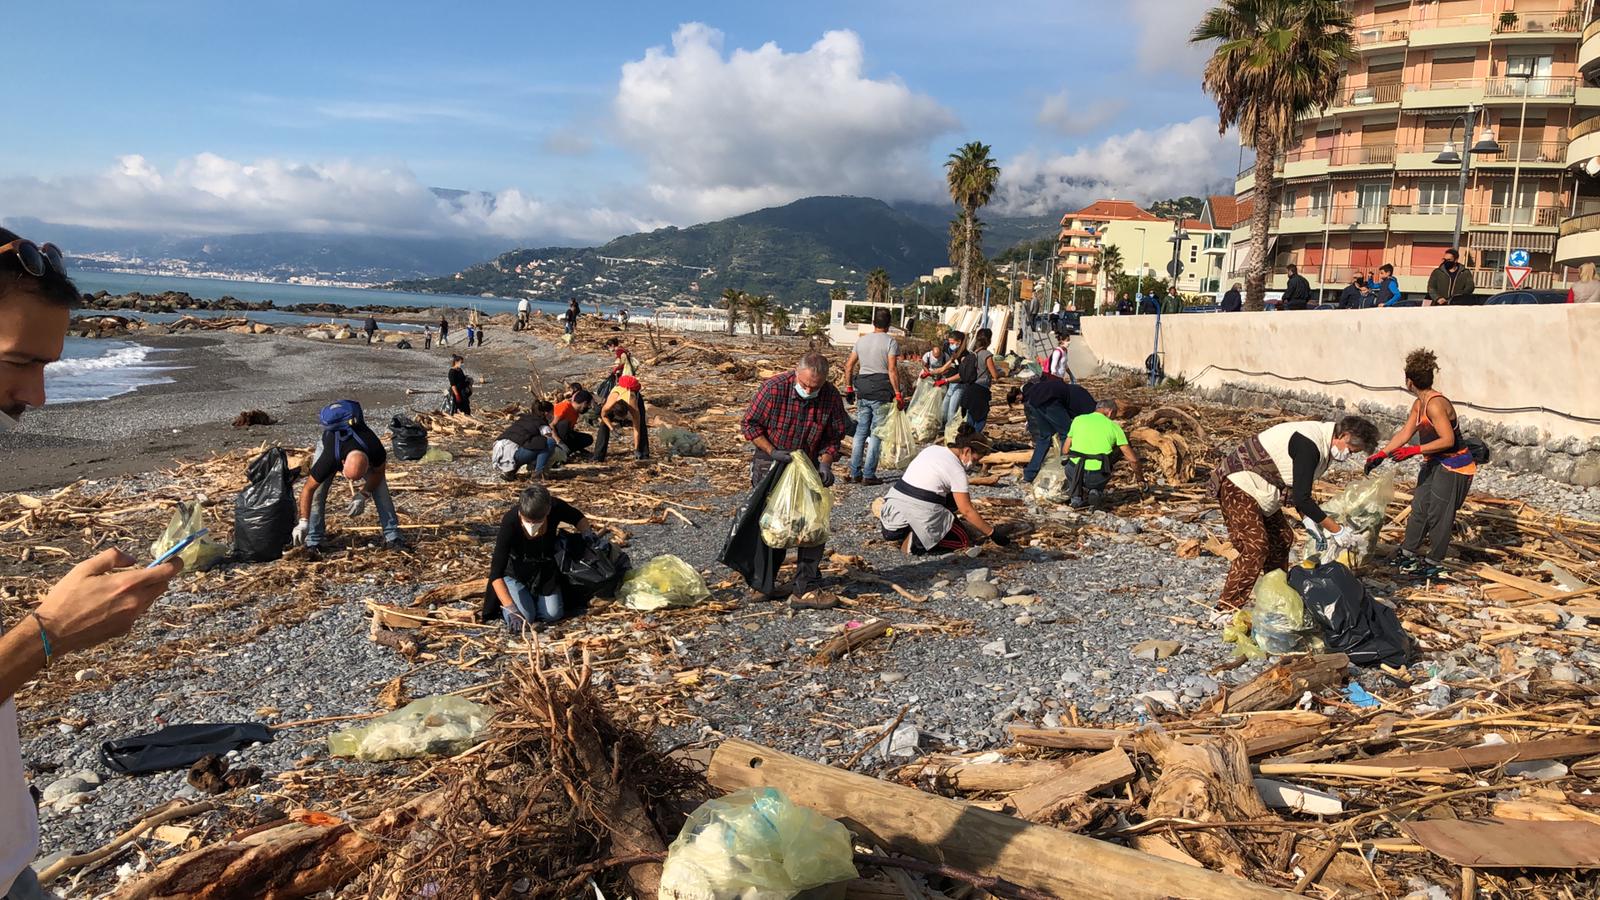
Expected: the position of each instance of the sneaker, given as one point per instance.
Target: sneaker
(508, 476)
(872, 481)
(395, 543)
(313, 553)
(1406, 563)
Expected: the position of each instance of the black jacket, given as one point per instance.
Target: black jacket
(525, 430)
(1232, 302)
(1297, 294)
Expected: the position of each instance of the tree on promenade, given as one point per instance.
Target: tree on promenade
(972, 176)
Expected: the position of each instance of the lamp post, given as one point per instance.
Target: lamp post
(1138, 291)
(1153, 366)
(1449, 157)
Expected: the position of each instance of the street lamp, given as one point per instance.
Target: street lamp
(1153, 366)
(1138, 290)
(1449, 157)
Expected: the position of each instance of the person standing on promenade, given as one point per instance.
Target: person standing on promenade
(100, 599)
(1297, 293)
(1451, 283)
(1233, 300)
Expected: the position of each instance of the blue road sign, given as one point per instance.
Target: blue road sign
(1519, 258)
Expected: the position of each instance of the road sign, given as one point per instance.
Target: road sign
(1175, 268)
(1516, 275)
(1519, 259)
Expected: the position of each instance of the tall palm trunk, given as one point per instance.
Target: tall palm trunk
(966, 256)
(1266, 195)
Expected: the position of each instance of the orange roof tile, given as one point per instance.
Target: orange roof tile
(1227, 212)
(1195, 225)
(1112, 209)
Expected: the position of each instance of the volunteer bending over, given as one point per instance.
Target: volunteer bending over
(1252, 482)
(100, 598)
(354, 451)
(524, 582)
(929, 510)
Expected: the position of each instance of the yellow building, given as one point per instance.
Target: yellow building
(1144, 240)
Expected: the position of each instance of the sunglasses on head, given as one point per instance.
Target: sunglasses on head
(35, 258)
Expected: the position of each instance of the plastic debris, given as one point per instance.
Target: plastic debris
(1364, 506)
(662, 582)
(755, 844)
(1236, 631)
(1359, 696)
(899, 445)
(201, 554)
(432, 726)
(1050, 485)
(798, 508)
(680, 442)
(1278, 618)
(926, 412)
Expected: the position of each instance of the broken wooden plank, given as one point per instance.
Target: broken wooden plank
(1486, 757)
(1283, 795)
(1044, 801)
(851, 639)
(906, 820)
(1281, 685)
(1509, 843)
(999, 777)
(1208, 781)
(1069, 738)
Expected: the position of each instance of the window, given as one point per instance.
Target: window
(1506, 209)
(1319, 199)
(1436, 196)
(1194, 253)
(1528, 66)
(1372, 202)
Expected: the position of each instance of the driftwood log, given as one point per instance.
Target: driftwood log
(1209, 781)
(1282, 685)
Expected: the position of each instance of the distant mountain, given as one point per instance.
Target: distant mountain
(270, 255)
(796, 252)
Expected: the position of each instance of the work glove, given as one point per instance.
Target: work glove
(358, 505)
(298, 536)
(941, 382)
(1000, 538)
(1374, 461)
(1347, 538)
(850, 396)
(782, 456)
(1405, 453)
(926, 375)
(826, 473)
(901, 403)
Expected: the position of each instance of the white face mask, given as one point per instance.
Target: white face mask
(803, 393)
(1339, 454)
(530, 528)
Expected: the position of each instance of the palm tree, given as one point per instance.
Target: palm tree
(972, 176)
(1109, 263)
(1275, 61)
(966, 252)
(780, 319)
(838, 293)
(733, 301)
(878, 286)
(757, 306)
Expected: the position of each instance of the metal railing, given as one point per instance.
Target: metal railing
(1381, 154)
(1359, 215)
(1517, 87)
(1536, 22)
(1587, 126)
(1311, 214)
(1530, 216)
(1422, 209)
(1445, 84)
(1368, 95)
(1388, 32)
(1247, 170)
(1495, 280)
(1580, 224)
(1527, 151)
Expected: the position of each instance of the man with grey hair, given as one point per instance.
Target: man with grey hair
(1089, 451)
(351, 449)
(795, 413)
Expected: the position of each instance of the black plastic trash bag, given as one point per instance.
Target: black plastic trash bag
(410, 440)
(179, 746)
(1352, 622)
(744, 551)
(589, 566)
(264, 512)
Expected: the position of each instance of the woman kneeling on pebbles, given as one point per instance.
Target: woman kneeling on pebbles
(524, 582)
(920, 510)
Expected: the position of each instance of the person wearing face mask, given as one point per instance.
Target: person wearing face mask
(975, 374)
(1252, 482)
(100, 599)
(524, 581)
(1447, 468)
(349, 448)
(955, 352)
(929, 509)
(796, 413)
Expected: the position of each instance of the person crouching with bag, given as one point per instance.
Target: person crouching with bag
(929, 510)
(524, 580)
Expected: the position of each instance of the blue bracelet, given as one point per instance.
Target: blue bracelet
(45, 637)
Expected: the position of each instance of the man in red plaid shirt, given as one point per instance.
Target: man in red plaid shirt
(794, 413)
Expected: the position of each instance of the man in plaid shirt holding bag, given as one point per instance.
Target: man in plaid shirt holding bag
(798, 413)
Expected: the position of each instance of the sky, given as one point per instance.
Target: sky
(577, 122)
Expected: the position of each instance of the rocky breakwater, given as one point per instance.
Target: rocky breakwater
(179, 301)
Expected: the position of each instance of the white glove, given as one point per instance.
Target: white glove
(358, 505)
(1348, 538)
(298, 536)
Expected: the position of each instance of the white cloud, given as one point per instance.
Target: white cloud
(208, 194)
(1060, 114)
(724, 134)
(1182, 158)
(1163, 28)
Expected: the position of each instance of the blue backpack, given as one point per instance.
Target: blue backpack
(340, 419)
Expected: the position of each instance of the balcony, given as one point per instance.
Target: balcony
(1359, 216)
(1305, 164)
(1304, 221)
(1538, 25)
(1246, 180)
(1515, 88)
(1583, 144)
(1375, 95)
(1350, 157)
(1445, 93)
(1432, 217)
(1382, 36)
(1589, 50)
(1446, 31)
(1518, 217)
(1525, 153)
(1580, 240)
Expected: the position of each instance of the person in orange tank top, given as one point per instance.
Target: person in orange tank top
(1447, 468)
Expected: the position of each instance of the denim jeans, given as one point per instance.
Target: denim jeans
(527, 609)
(952, 402)
(869, 415)
(380, 499)
(1044, 425)
(538, 459)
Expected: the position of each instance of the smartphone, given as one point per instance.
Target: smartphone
(178, 547)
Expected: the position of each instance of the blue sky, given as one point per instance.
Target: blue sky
(226, 116)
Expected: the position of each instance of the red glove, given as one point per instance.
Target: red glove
(926, 375)
(1405, 453)
(941, 382)
(901, 402)
(1374, 461)
(850, 396)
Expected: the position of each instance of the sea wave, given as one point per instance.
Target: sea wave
(99, 370)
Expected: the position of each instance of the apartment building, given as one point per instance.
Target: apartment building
(1144, 240)
(1360, 184)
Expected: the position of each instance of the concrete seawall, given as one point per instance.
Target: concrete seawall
(1524, 378)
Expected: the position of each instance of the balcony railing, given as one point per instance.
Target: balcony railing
(1359, 215)
(1528, 151)
(1453, 21)
(1580, 224)
(1381, 154)
(1445, 84)
(1541, 23)
(1247, 171)
(1422, 209)
(1592, 30)
(1495, 280)
(1529, 216)
(1368, 95)
(1382, 34)
(1587, 126)
(1516, 87)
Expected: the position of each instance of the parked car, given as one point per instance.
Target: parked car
(1528, 298)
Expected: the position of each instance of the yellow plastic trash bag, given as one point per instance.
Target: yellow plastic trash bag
(926, 411)
(899, 445)
(798, 507)
(201, 554)
(662, 582)
(1050, 485)
(1364, 506)
(1279, 622)
(433, 726)
(1237, 633)
(755, 844)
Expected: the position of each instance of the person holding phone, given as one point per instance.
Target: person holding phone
(101, 598)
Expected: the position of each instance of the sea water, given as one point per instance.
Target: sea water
(92, 369)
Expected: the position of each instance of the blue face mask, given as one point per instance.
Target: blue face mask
(803, 393)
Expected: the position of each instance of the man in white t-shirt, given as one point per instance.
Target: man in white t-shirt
(523, 309)
(872, 376)
(100, 598)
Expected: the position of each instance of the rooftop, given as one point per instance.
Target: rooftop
(1112, 209)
